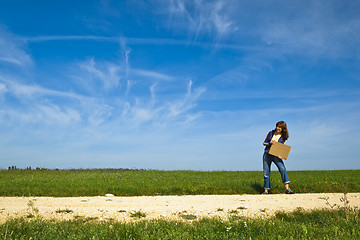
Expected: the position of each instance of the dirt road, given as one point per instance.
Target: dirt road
(167, 207)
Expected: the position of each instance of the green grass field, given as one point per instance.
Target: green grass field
(71, 183)
(297, 225)
(339, 223)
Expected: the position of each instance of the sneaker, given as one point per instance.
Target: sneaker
(289, 191)
(265, 193)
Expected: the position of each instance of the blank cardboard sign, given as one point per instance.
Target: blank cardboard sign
(281, 149)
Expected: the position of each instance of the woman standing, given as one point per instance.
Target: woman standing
(279, 134)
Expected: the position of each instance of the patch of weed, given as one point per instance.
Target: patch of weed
(137, 214)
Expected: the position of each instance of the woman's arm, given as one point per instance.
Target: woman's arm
(267, 139)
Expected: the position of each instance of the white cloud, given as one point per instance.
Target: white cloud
(3, 88)
(151, 74)
(156, 111)
(12, 49)
(109, 76)
(69, 37)
(54, 114)
(26, 91)
(200, 17)
(220, 20)
(36, 105)
(97, 114)
(317, 28)
(106, 73)
(39, 106)
(41, 117)
(188, 102)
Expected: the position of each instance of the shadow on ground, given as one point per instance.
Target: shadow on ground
(257, 187)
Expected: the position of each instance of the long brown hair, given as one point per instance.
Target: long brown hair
(284, 130)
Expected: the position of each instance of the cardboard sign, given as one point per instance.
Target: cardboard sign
(281, 149)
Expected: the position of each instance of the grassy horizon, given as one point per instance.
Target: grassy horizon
(131, 182)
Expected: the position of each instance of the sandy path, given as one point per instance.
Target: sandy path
(167, 207)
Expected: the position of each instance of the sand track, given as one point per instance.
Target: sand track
(167, 207)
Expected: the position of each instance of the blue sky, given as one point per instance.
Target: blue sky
(178, 84)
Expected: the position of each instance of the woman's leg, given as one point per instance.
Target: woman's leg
(266, 168)
(281, 166)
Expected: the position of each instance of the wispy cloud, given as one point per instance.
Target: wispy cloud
(39, 105)
(130, 41)
(200, 17)
(35, 105)
(322, 29)
(188, 102)
(151, 74)
(26, 91)
(160, 111)
(12, 49)
(3, 88)
(45, 38)
(113, 75)
(312, 28)
(111, 93)
(107, 73)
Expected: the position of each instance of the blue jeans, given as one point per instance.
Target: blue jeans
(267, 160)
